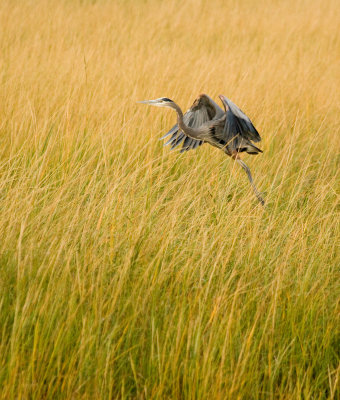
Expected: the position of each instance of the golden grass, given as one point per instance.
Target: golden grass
(128, 271)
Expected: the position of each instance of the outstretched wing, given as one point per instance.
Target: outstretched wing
(203, 109)
(238, 123)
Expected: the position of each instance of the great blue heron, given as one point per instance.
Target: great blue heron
(205, 122)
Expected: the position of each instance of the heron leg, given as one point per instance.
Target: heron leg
(236, 157)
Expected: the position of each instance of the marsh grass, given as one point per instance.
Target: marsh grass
(128, 271)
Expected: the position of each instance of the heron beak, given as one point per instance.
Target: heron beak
(150, 102)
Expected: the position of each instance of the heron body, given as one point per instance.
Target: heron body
(205, 122)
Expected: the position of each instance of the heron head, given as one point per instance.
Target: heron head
(161, 102)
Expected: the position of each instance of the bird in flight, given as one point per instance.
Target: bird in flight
(205, 122)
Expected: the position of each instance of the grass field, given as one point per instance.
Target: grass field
(131, 272)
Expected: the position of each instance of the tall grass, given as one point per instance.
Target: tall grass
(128, 271)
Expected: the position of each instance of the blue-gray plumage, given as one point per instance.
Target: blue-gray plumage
(205, 122)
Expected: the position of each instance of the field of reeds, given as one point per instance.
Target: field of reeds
(131, 272)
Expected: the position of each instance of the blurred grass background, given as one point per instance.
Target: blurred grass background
(131, 272)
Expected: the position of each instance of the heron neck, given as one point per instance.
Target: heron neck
(182, 125)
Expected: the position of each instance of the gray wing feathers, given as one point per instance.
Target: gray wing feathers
(240, 123)
(230, 134)
(179, 137)
(219, 110)
(196, 116)
(171, 131)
